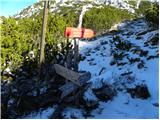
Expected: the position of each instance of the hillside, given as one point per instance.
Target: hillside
(55, 6)
(135, 82)
(117, 75)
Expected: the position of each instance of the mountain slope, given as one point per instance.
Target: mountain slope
(124, 74)
(55, 6)
(123, 64)
(127, 60)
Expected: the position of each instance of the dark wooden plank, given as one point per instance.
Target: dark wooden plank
(70, 87)
(67, 89)
(84, 77)
(78, 94)
(67, 73)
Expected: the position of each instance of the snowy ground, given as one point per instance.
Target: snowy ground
(123, 105)
(98, 57)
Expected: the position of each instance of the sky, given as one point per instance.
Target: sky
(11, 7)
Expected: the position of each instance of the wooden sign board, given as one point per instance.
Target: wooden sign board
(67, 73)
(71, 32)
(77, 79)
(70, 86)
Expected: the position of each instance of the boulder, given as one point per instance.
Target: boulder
(104, 93)
(140, 91)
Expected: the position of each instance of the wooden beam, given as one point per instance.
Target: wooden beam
(70, 87)
(67, 89)
(44, 24)
(67, 73)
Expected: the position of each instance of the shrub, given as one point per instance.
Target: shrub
(152, 14)
(20, 36)
(143, 6)
(101, 19)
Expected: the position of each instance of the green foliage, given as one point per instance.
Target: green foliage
(132, 2)
(11, 40)
(20, 36)
(143, 6)
(101, 19)
(121, 44)
(152, 14)
(70, 15)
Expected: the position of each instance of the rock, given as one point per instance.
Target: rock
(104, 93)
(121, 63)
(104, 42)
(126, 73)
(152, 57)
(156, 104)
(97, 48)
(93, 51)
(113, 62)
(91, 63)
(118, 56)
(136, 50)
(87, 54)
(153, 41)
(102, 54)
(140, 91)
(89, 100)
(92, 59)
(129, 33)
(91, 104)
(144, 32)
(143, 53)
(138, 37)
(140, 65)
(102, 70)
(133, 60)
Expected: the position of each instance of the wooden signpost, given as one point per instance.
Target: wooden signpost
(76, 33)
(74, 79)
(67, 73)
(44, 24)
(77, 79)
(71, 32)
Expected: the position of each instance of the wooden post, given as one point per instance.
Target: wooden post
(44, 24)
(76, 41)
(76, 55)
